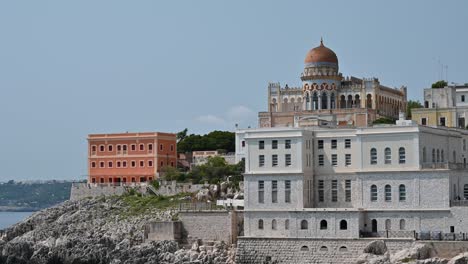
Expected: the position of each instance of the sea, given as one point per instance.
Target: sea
(8, 219)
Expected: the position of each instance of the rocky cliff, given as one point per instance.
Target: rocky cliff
(100, 231)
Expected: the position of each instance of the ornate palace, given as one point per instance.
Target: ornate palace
(328, 96)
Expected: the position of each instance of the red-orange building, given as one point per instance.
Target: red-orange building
(129, 157)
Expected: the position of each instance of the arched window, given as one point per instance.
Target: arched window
(438, 156)
(304, 248)
(433, 156)
(454, 156)
(273, 224)
(373, 193)
(402, 224)
(402, 193)
(388, 156)
(323, 225)
(369, 101)
(323, 248)
(324, 100)
(424, 155)
(315, 101)
(343, 249)
(388, 193)
(304, 224)
(260, 224)
(342, 101)
(343, 225)
(357, 101)
(373, 156)
(402, 155)
(388, 224)
(465, 191)
(442, 158)
(286, 224)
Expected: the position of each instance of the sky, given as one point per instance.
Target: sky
(71, 68)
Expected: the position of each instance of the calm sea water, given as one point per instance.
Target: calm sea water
(9, 218)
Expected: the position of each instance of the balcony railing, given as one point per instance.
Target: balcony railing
(390, 234)
(434, 235)
(444, 165)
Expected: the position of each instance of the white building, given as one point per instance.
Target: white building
(331, 182)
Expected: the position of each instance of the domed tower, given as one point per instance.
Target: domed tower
(320, 79)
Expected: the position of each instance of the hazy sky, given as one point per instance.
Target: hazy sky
(70, 68)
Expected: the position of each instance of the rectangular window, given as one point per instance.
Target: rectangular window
(142, 147)
(133, 147)
(320, 144)
(334, 197)
(287, 159)
(274, 144)
(261, 191)
(347, 143)
(101, 148)
(172, 147)
(261, 160)
(320, 160)
(101, 164)
(424, 121)
(334, 160)
(161, 147)
(133, 164)
(150, 163)
(274, 191)
(93, 164)
(348, 159)
(274, 160)
(124, 164)
(118, 164)
(321, 196)
(287, 144)
(287, 191)
(348, 190)
(93, 150)
(334, 144)
(142, 163)
(109, 148)
(243, 143)
(109, 164)
(150, 148)
(261, 144)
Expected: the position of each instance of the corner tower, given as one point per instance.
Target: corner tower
(320, 79)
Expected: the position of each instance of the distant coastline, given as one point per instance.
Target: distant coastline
(15, 209)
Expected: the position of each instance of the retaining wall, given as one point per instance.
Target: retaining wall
(307, 250)
(84, 190)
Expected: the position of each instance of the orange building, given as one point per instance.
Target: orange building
(129, 157)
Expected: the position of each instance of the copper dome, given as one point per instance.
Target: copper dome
(321, 54)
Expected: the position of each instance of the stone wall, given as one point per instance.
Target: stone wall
(172, 187)
(83, 190)
(163, 230)
(307, 250)
(211, 225)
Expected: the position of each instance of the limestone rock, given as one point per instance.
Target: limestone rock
(376, 247)
(459, 259)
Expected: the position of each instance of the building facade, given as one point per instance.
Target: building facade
(446, 106)
(130, 157)
(347, 183)
(325, 93)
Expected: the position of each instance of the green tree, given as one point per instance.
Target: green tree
(212, 141)
(181, 135)
(170, 173)
(412, 104)
(384, 120)
(439, 84)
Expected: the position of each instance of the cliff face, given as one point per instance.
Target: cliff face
(93, 231)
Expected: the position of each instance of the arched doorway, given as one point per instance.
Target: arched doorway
(332, 101)
(357, 101)
(315, 101)
(374, 225)
(343, 102)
